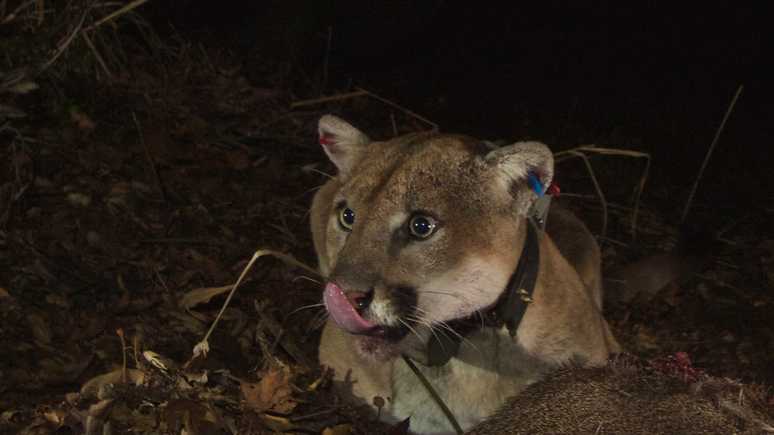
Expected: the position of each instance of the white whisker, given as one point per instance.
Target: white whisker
(317, 171)
(411, 328)
(319, 320)
(442, 324)
(306, 278)
(306, 307)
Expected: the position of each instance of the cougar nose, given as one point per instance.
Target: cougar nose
(344, 308)
(359, 300)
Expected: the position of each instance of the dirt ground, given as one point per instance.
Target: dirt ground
(129, 198)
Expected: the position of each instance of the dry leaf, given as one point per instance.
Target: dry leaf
(79, 199)
(7, 111)
(342, 429)
(160, 362)
(92, 386)
(56, 299)
(22, 87)
(84, 123)
(183, 415)
(201, 296)
(55, 416)
(237, 159)
(277, 424)
(272, 393)
(40, 329)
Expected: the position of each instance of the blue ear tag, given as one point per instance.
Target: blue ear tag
(534, 183)
(540, 207)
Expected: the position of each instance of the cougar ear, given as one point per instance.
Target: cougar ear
(343, 143)
(514, 164)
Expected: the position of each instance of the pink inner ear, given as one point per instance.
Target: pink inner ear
(328, 139)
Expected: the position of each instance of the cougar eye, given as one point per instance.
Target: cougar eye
(346, 218)
(422, 226)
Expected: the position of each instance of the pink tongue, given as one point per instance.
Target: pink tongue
(343, 312)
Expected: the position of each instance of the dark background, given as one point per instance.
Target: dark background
(649, 76)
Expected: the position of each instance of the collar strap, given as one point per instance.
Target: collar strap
(507, 311)
(510, 308)
(513, 303)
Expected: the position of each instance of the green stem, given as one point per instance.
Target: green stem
(435, 396)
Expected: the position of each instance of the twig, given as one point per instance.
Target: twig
(616, 242)
(66, 42)
(183, 240)
(596, 186)
(41, 12)
(399, 107)
(610, 151)
(327, 59)
(709, 152)
(203, 346)
(564, 155)
(336, 97)
(121, 11)
(120, 333)
(161, 280)
(20, 138)
(643, 179)
(152, 163)
(94, 51)
(286, 342)
(640, 188)
(12, 16)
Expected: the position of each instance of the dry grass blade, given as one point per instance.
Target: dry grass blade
(151, 161)
(203, 346)
(288, 344)
(96, 54)
(397, 106)
(578, 152)
(117, 13)
(709, 152)
(327, 99)
(359, 93)
(596, 187)
(201, 295)
(612, 151)
(13, 15)
(434, 395)
(65, 42)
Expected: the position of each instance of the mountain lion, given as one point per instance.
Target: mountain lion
(432, 248)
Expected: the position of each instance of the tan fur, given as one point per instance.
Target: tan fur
(480, 198)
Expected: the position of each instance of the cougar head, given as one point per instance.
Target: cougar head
(419, 230)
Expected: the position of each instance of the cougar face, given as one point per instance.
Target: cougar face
(419, 230)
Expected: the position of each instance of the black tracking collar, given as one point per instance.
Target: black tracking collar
(519, 291)
(507, 311)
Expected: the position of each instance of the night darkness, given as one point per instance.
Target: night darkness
(657, 76)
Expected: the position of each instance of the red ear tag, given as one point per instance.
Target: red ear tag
(327, 140)
(553, 190)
